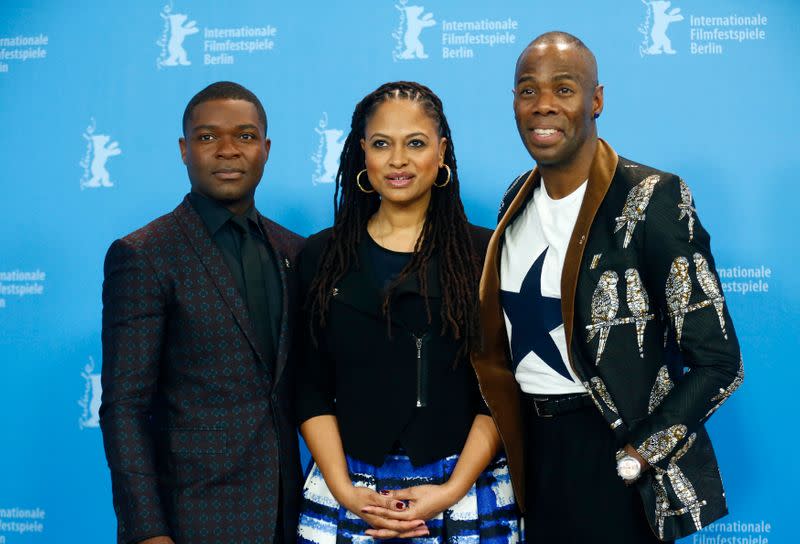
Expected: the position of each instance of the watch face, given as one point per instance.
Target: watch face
(628, 468)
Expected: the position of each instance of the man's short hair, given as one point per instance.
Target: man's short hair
(224, 90)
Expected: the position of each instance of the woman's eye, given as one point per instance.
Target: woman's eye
(380, 143)
(416, 143)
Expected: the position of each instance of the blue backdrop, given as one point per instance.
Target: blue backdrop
(91, 97)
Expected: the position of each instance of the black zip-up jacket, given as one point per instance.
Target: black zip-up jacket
(385, 387)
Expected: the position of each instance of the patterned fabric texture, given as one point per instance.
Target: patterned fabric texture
(487, 513)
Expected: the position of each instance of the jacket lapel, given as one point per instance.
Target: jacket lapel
(600, 175)
(284, 264)
(211, 257)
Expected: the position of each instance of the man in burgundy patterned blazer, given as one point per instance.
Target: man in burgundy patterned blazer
(196, 413)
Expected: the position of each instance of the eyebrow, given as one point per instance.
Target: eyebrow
(382, 135)
(561, 76)
(246, 126)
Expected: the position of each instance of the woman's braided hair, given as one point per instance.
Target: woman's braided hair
(445, 229)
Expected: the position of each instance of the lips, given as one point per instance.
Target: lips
(545, 135)
(399, 179)
(228, 173)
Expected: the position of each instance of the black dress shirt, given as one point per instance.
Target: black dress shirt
(228, 238)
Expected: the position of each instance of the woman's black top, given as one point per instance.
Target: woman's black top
(385, 385)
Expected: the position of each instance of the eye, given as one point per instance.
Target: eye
(565, 91)
(526, 91)
(248, 136)
(380, 144)
(205, 137)
(416, 142)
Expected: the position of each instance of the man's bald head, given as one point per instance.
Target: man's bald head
(562, 41)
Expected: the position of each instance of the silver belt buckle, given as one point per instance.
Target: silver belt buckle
(536, 407)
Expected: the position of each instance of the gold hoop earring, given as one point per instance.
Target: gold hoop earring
(445, 181)
(358, 182)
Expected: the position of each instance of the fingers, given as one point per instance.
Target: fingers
(387, 533)
(407, 494)
(398, 526)
(390, 501)
(401, 514)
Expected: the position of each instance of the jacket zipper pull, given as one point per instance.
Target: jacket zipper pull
(421, 374)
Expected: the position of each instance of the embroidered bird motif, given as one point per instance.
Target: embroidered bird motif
(686, 208)
(678, 293)
(708, 283)
(605, 304)
(638, 304)
(635, 206)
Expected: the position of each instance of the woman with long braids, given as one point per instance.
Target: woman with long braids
(387, 399)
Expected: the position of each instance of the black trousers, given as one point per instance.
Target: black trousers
(573, 492)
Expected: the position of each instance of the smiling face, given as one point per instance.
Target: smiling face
(225, 151)
(556, 98)
(403, 152)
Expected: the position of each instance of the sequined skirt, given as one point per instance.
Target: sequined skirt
(487, 513)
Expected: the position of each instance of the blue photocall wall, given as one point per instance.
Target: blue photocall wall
(91, 97)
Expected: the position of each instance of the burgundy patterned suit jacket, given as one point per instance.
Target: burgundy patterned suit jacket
(198, 432)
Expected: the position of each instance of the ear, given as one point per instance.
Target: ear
(267, 146)
(442, 149)
(363, 143)
(597, 101)
(182, 145)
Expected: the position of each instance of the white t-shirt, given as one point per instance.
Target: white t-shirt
(534, 248)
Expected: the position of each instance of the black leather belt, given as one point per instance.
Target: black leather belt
(557, 405)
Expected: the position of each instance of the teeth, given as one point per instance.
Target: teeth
(544, 131)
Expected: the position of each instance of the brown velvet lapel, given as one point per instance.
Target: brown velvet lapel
(600, 175)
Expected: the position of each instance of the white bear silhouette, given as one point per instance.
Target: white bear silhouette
(100, 154)
(661, 20)
(177, 33)
(333, 149)
(414, 26)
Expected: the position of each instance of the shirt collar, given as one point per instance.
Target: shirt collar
(215, 215)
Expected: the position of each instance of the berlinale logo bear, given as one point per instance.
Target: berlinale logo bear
(175, 30)
(412, 22)
(655, 27)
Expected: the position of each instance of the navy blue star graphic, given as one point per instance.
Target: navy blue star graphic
(532, 318)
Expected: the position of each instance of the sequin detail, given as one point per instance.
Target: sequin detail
(682, 487)
(638, 304)
(597, 388)
(686, 208)
(658, 446)
(723, 394)
(710, 286)
(661, 388)
(678, 292)
(605, 304)
(635, 206)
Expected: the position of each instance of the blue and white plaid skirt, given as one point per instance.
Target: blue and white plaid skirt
(486, 514)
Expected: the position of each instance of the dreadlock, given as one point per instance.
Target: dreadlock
(445, 229)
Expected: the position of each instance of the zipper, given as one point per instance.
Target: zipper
(422, 371)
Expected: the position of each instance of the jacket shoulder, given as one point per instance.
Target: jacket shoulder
(480, 239)
(511, 193)
(291, 242)
(633, 173)
(152, 234)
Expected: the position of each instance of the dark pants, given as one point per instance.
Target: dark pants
(573, 492)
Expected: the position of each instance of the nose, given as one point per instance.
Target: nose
(398, 158)
(545, 104)
(227, 149)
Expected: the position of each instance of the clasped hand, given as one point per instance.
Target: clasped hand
(401, 513)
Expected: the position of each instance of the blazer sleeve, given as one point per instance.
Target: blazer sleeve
(315, 392)
(681, 278)
(133, 335)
